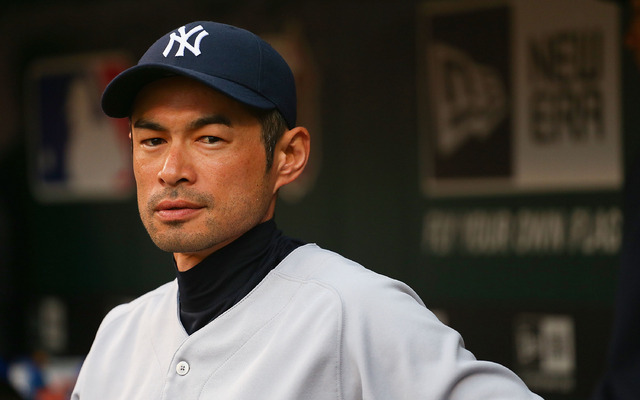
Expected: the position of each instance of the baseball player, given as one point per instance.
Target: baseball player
(253, 314)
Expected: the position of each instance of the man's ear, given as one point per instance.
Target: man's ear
(292, 154)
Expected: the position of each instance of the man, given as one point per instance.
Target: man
(253, 314)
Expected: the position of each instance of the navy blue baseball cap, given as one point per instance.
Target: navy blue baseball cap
(231, 60)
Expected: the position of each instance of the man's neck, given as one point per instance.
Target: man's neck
(186, 261)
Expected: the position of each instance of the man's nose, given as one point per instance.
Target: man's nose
(177, 167)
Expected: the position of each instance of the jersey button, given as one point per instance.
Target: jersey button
(182, 368)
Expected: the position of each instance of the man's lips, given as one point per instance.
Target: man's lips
(173, 210)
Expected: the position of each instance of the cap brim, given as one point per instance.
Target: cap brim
(121, 92)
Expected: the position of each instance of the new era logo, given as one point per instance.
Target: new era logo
(183, 39)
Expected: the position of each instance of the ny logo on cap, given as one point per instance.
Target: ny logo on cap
(183, 39)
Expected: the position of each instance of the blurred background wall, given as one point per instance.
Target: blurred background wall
(418, 112)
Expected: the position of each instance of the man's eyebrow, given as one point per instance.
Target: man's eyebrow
(146, 124)
(214, 119)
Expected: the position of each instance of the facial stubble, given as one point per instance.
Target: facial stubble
(178, 239)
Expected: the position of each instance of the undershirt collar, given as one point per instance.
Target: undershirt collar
(226, 276)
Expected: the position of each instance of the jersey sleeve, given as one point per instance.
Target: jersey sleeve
(395, 348)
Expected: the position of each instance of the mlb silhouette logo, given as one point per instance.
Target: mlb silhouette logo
(75, 151)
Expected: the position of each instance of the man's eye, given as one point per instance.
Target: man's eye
(153, 142)
(209, 139)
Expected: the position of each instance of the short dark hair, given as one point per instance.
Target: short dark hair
(273, 127)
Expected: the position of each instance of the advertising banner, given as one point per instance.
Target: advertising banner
(511, 104)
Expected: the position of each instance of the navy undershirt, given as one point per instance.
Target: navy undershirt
(226, 276)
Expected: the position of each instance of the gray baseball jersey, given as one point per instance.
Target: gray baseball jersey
(318, 326)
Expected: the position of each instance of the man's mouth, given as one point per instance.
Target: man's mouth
(176, 210)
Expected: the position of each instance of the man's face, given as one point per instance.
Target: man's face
(200, 167)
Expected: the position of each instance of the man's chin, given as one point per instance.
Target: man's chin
(179, 243)
(183, 248)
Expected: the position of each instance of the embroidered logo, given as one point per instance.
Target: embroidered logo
(183, 39)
